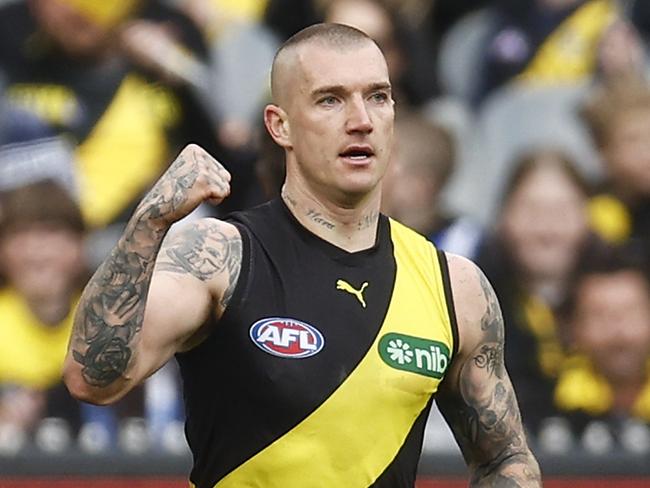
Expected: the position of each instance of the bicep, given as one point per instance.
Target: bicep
(196, 271)
(177, 307)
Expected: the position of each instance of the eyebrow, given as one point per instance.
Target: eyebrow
(342, 89)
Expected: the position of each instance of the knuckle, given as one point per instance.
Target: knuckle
(187, 150)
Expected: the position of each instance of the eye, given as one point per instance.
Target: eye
(379, 97)
(328, 101)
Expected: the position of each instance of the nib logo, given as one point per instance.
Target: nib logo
(413, 354)
(399, 351)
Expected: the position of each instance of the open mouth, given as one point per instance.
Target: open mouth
(357, 153)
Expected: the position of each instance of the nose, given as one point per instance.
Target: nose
(358, 119)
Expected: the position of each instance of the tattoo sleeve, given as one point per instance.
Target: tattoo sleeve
(111, 313)
(110, 317)
(482, 409)
(204, 251)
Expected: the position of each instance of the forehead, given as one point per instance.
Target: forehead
(352, 66)
(546, 182)
(620, 286)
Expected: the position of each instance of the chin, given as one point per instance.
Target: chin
(358, 187)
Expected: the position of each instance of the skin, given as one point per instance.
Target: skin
(545, 224)
(152, 298)
(73, 33)
(626, 152)
(476, 396)
(43, 262)
(612, 326)
(340, 98)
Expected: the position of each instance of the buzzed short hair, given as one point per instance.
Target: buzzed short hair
(333, 35)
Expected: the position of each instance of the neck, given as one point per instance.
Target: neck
(626, 393)
(352, 227)
(49, 310)
(551, 290)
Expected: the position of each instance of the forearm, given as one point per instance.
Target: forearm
(103, 349)
(105, 357)
(512, 469)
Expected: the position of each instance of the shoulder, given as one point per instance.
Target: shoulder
(203, 248)
(476, 306)
(204, 232)
(206, 252)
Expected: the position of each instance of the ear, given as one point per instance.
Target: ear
(277, 123)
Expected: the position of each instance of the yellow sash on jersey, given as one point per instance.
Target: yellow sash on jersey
(569, 53)
(356, 433)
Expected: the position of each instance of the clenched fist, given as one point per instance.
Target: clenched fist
(193, 178)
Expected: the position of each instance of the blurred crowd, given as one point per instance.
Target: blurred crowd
(523, 142)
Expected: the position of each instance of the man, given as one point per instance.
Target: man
(607, 379)
(311, 332)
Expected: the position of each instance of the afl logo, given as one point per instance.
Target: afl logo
(287, 338)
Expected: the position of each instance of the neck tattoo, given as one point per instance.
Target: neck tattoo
(368, 221)
(317, 217)
(288, 198)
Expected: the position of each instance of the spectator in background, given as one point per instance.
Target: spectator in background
(241, 49)
(41, 259)
(542, 42)
(32, 161)
(541, 232)
(621, 53)
(60, 61)
(422, 161)
(619, 118)
(608, 314)
(447, 12)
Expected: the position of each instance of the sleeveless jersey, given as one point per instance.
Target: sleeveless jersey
(322, 369)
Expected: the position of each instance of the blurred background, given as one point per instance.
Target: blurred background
(523, 142)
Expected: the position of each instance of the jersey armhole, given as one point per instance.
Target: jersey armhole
(449, 298)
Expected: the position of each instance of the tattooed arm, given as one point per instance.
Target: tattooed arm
(149, 299)
(476, 397)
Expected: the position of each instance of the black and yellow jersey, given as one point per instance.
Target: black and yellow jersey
(322, 370)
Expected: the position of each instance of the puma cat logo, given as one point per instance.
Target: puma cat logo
(345, 286)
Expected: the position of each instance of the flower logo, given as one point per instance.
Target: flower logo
(399, 351)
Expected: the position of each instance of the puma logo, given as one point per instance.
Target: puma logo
(345, 286)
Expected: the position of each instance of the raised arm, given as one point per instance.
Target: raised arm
(148, 299)
(476, 397)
